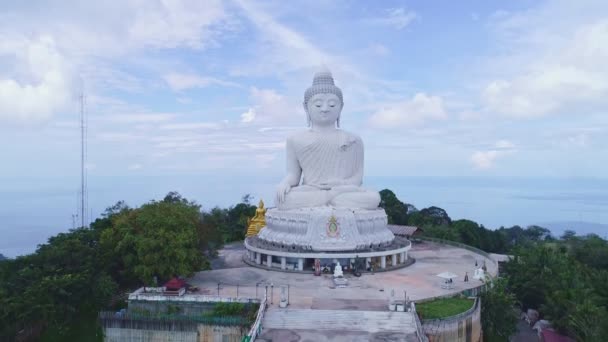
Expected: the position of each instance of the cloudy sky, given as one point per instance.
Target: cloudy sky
(457, 88)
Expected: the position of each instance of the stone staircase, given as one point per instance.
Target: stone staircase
(339, 320)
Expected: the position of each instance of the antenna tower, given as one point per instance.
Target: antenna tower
(83, 158)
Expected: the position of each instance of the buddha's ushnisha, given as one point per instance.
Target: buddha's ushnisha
(327, 160)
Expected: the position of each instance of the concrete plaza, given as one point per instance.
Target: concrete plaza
(369, 292)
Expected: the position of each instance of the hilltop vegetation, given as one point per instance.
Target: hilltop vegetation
(77, 273)
(565, 278)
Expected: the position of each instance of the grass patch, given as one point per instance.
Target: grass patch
(443, 307)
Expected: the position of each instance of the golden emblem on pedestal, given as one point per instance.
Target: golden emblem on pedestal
(333, 230)
(255, 224)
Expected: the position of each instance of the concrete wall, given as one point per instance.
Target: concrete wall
(137, 335)
(204, 333)
(188, 309)
(465, 327)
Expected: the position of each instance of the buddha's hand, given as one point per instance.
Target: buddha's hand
(282, 190)
(330, 184)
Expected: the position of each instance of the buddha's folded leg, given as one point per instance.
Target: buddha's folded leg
(304, 197)
(362, 199)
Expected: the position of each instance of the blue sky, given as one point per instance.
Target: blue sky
(212, 88)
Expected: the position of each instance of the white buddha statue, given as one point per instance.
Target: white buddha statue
(338, 270)
(324, 163)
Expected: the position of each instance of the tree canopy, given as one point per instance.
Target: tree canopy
(79, 271)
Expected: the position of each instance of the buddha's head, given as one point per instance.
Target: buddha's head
(323, 100)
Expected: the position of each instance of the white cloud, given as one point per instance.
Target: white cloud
(268, 106)
(412, 112)
(264, 161)
(138, 118)
(168, 24)
(248, 116)
(550, 66)
(281, 49)
(190, 126)
(484, 160)
(134, 167)
(45, 85)
(505, 145)
(178, 81)
(397, 18)
(37, 71)
(378, 49)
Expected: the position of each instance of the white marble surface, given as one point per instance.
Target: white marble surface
(310, 227)
(324, 163)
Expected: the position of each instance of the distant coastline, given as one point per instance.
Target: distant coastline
(554, 203)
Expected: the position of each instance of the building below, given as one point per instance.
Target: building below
(281, 257)
(161, 314)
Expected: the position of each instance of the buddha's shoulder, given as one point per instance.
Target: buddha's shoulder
(351, 136)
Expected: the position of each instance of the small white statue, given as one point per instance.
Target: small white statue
(480, 274)
(338, 270)
(327, 160)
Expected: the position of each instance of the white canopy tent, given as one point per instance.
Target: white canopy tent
(447, 279)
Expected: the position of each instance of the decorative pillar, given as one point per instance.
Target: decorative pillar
(300, 264)
(258, 258)
(403, 257)
(269, 260)
(394, 259)
(383, 261)
(283, 263)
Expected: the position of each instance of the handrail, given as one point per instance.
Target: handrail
(255, 328)
(419, 331)
(469, 311)
(458, 244)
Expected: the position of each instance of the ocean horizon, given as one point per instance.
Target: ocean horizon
(32, 212)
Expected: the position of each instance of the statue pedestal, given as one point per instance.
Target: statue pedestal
(340, 282)
(327, 228)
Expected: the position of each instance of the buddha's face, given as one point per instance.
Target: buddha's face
(324, 109)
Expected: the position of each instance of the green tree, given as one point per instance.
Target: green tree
(469, 232)
(430, 216)
(395, 209)
(159, 239)
(498, 317)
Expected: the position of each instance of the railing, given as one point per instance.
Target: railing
(457, 244)
(456, 317)
(419, 331)
(122, 319)
(257, 325)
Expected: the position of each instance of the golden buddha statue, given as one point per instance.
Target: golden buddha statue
(255, 224)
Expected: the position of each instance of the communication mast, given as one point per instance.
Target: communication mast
(83, 158)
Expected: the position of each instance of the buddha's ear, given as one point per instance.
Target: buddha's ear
(308, 122)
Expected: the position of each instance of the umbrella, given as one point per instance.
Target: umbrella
(447, 275)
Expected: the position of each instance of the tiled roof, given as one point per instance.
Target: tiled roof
(402, 230)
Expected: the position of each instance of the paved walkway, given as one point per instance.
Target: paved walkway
(318, 311)
(337, 325)
(364, 293)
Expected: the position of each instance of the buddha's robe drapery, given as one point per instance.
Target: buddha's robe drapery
(328, 157)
